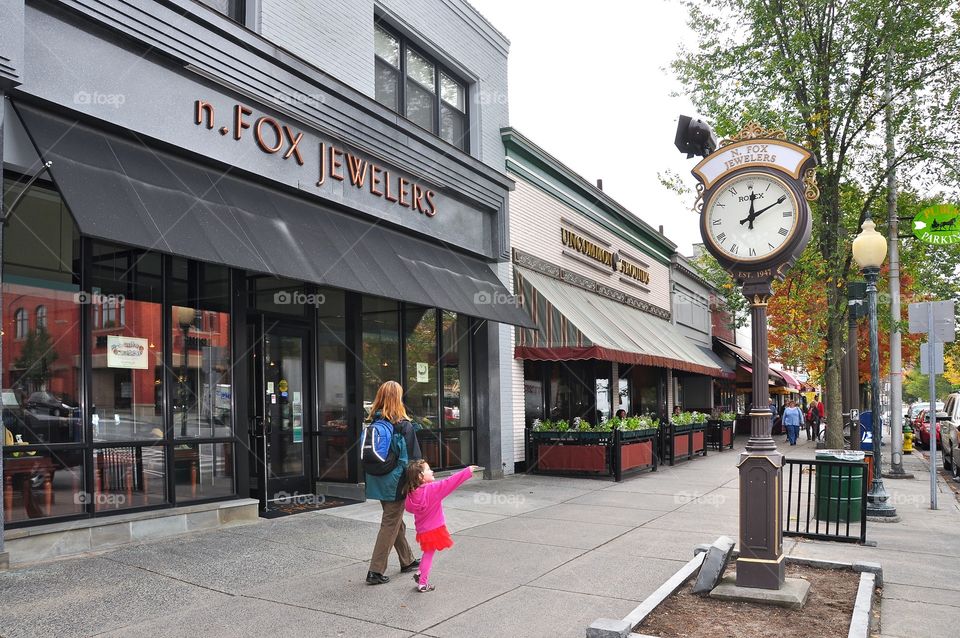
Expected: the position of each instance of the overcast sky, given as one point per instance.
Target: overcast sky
(592, 89)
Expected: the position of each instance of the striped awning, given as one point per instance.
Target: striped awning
(575, 324)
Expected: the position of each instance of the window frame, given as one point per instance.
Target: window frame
(21, 324)
(438, 102)
(237, 11)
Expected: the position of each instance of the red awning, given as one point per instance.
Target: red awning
(575, 324)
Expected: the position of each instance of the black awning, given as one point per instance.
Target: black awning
(123, 190)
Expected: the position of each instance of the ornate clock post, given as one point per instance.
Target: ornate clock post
(755, 220)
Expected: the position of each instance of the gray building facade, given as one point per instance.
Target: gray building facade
(256, 213)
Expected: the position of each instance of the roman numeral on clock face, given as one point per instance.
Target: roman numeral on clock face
(717, 222)
(788, 213)
(753, 253)
(733, 191)
(722, 237)
(783, 231)
(771, 245)
(735, 249)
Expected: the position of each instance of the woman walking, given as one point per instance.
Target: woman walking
(387, 488)
(792, 419)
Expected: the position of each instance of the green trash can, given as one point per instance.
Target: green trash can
(839, 490)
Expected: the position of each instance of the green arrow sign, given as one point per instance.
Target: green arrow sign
(938, 225)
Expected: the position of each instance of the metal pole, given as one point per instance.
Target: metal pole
(896, 363)
(3, 222)
(853, 372)
(931, 341)
(878, 499)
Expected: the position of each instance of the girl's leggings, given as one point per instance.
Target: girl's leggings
(425, 562)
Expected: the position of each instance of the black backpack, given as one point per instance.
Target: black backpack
(378, 452)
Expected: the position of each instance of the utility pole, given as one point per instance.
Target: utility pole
(896, 362)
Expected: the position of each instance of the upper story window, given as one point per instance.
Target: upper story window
(21, 323)
(413, 84)
(233, 9)
(41, 317)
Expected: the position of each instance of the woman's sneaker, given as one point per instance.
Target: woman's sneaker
(425, 588)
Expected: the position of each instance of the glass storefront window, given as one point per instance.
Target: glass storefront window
(380, 325)
(40, 482)
(421, 379)
(127, 344)
(455, 366)
(457, 447)
(201, 360)
(335, 437)
(42, 431)
(128, 476)
(203, 470)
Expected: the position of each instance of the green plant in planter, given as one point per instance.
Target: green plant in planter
(648, 422)
(684, 418)
(581, 425)
(727, 416)
(698, 417)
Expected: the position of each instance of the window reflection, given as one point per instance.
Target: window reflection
(127, 344)
(126, 477)
(334, 443)
(200, 325)
(380, 323)
(203, 470)
(421, 379)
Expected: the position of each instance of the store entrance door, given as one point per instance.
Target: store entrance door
(279, 419)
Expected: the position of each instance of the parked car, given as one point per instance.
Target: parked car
(923, 427)
(51, 418)
(915, 409)
(950, 434)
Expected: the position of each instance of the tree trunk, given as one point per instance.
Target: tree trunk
(833, 391)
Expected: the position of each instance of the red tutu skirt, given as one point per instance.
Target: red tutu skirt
(435, 539)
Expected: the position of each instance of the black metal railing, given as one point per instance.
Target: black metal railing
(825, 500)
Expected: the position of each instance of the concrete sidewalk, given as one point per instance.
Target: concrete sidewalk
(535, 556)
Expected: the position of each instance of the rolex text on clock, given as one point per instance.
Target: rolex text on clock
(751, 217)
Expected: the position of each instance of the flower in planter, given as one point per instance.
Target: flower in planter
(727, 416)
(698, 417)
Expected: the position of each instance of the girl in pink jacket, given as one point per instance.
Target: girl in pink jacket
(424, 501)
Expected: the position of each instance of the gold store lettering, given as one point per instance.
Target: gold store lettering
(273, 137)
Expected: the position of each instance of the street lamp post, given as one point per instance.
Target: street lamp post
(869, 251)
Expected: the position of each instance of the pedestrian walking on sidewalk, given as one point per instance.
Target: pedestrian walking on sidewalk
(425, 501)
(388, 487)
(792, 420)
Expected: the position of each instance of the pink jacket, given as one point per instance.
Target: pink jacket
(425, 501)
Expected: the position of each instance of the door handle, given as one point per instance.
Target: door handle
(258, 430)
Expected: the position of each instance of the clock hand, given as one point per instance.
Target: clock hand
(750, 214)
(779, 201)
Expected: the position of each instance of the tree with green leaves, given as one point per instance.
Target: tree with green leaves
(36, 359)
(819, 70)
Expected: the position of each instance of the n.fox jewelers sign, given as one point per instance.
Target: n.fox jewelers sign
(336, 163)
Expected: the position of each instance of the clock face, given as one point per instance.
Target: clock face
(751, 217)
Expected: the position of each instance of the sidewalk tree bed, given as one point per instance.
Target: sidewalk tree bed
(720, 431)
(684, 437)
(827, 612)
(615, 447)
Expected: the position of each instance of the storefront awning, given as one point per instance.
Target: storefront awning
(577, 324)
(788, 379)
(123, 190)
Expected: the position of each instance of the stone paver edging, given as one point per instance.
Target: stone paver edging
(871, 577)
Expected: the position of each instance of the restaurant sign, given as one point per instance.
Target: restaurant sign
(127, 352)
(605, 256)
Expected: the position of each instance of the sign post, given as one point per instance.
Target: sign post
(936, 319)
